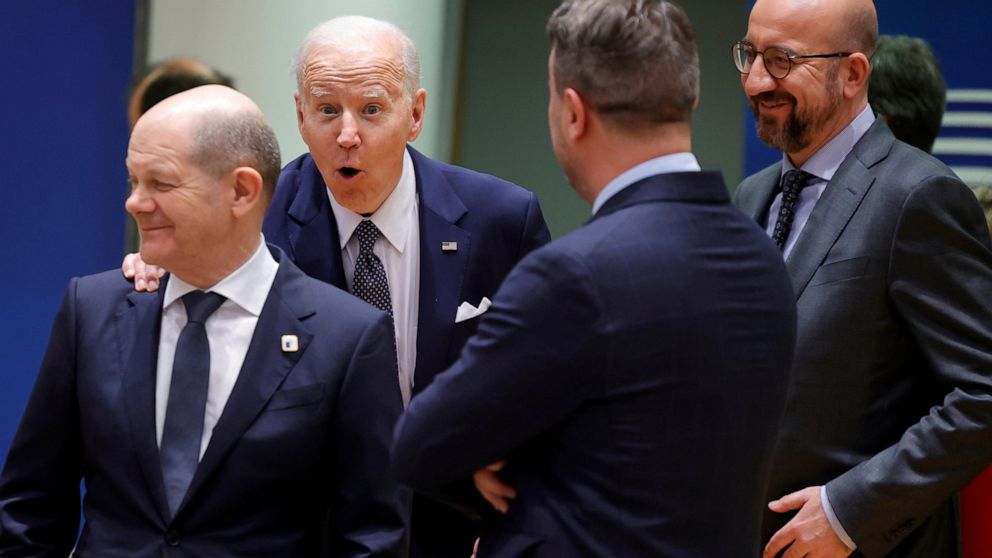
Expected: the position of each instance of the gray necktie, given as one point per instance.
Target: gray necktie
(179, 452)
(792, 183)
(369, 282)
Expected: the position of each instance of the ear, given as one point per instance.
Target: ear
(247, 191)
(856, 75)
(576, 114)
(419, 106)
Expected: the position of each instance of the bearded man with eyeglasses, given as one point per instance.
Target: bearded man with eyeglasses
(890, 399)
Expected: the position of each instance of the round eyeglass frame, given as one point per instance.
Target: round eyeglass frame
(782, 60)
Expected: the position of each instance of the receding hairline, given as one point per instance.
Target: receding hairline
(345, 32)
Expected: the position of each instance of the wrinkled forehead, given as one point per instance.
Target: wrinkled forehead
(371, 67)
(797, 25)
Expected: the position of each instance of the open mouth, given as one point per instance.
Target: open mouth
(348, 172)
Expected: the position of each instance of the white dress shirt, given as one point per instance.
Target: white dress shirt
(676, 162)
(229, 331)
(399, 251)
(823, 164)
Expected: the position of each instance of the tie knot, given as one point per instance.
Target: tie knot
(795, 180)
(199, 305)
(367, 234)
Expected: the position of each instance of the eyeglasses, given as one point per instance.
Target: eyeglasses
(778, 62)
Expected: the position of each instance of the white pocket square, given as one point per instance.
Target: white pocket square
(466, 311)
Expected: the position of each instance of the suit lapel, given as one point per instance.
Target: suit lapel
(834, 209)
(441, 272)
(264, 368)
(315, 246)
(138, 327)
(759, 195)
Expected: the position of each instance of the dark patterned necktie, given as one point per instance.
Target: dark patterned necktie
(792, 183)
(183, 431)
(369, 282)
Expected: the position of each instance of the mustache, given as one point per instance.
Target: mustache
(771, 97)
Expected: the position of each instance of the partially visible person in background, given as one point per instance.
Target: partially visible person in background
(160, 81)
(907, 89)
(167, 78)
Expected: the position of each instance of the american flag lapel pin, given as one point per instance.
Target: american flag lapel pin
(449, 246)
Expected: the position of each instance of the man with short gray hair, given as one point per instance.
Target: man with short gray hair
(631, 374)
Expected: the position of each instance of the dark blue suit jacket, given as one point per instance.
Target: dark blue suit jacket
(633, 373)
(495, 224)
(304, 435)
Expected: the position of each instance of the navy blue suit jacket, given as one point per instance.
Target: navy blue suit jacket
(633, 373)
(495, 224)
(301, 446)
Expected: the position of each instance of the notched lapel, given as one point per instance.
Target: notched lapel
(755, 203)
(315, 245)
(265, 367)
(138, 327)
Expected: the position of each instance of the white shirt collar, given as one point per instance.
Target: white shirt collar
(825, 162)
(240, 287)
(675, 162)
(389, 218)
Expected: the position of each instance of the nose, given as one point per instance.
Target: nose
(348, 137)
(758, 80)
(138, 202)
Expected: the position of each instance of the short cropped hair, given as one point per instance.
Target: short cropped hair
(226, 140)
(344, 29)
(167, 78)
(633, 61)
(907, 87)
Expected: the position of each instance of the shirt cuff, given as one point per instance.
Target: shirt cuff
(828, 510)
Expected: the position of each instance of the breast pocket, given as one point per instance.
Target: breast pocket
(296, 397)
(832, 272)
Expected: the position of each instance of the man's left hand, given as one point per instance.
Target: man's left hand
(809, 533)
(492, 488)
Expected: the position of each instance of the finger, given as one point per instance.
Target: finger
(781, 539)
(792, 501)
(493, 490)
(496, 467)
(127, 267)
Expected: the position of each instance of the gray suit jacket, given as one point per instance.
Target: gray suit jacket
(890, 402)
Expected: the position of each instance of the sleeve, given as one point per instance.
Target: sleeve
(941, 286)
(369, 510)
(39, 487)
(535, 232)
(530, 363)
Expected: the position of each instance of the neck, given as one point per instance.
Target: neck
(617, 152)
(208, 269)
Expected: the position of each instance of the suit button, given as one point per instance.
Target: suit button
(171, 538)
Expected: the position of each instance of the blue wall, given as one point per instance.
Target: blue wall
(66, 71)
(957, 32)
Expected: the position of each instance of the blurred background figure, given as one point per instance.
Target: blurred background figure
(168, 78)
(907, 89)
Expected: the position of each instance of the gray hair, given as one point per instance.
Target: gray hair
(633, 61)
(346, 29)
(226, 139)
